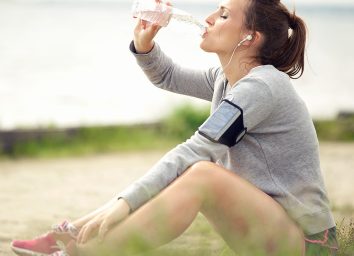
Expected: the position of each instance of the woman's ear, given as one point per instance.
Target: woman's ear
(252, 37)
(257, 38)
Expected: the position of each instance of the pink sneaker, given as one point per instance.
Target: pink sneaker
(43, 245)
(62, 251)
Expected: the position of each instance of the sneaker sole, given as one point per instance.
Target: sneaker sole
(24, 252)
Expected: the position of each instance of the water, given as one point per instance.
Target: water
(68, 64)
(191, 20)
(161, 13)
(149, 10)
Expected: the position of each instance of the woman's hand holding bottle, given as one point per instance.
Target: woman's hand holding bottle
(144, 34)
(149, 24)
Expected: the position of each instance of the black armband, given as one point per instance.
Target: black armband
(225, 125)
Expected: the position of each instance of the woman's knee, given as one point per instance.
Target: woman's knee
(207, 181)
(209, 173)
(199, 174)
(202, 168)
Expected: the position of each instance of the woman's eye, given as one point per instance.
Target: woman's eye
(224, 15)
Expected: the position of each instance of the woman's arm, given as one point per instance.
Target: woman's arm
(246, 106)
(172, 165)
(163, 72)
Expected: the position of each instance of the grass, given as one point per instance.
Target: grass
(340, 129)
(174, 129)
(346, 237)
(53, 142)
(91, 140)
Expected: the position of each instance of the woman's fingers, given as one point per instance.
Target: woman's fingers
(144, 34)
(110, 219)
(87, 232)
(79, 236)
(143, 24)
(148, 27)
(103, 229)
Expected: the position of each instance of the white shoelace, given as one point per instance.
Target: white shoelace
(65, 227)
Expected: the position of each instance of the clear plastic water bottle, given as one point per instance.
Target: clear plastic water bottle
(161, 13)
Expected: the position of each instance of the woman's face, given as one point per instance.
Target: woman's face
(225, 26)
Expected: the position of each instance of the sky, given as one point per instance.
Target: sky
(327, 2)
(302, 2)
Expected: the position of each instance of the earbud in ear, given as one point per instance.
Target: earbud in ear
(247, 38)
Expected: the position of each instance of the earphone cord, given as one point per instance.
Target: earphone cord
(232, 55)
(249, 37)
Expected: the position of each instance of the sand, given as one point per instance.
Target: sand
(36, 193)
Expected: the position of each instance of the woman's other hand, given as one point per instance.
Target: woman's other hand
(103, 222)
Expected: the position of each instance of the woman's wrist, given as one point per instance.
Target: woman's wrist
(124, 206)
(143, 48)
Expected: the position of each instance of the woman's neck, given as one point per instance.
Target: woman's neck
(237, 70)
(239, 65)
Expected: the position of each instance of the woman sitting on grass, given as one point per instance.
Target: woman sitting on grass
(252, 168)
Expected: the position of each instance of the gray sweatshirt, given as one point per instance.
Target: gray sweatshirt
(279, 153)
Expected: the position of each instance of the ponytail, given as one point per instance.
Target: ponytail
(295, 46)
(284, 36)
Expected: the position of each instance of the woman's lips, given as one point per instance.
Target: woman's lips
(205, 33)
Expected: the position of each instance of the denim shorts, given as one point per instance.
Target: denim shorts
(322, 244)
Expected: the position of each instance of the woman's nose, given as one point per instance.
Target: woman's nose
(210, 20)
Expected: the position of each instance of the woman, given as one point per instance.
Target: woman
(252, 169)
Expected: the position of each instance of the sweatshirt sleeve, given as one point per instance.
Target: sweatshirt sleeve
(249, 103)
(171, 166)
(255, 98)
(165, 74)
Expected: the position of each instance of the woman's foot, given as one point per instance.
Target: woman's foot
(46, 244)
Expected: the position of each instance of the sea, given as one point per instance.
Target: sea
(67, 63)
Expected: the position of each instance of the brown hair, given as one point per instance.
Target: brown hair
(281, 48)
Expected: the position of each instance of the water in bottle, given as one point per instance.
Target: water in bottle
(160, 13)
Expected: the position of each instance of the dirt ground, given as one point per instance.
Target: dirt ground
(37, 193)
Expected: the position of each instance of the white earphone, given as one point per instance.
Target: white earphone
(247, 38)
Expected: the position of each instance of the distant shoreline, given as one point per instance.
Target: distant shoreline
(51, 141)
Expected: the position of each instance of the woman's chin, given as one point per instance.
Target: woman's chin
(205, 47)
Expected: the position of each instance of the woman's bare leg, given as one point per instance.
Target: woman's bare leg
(244, 215)
(247, 218)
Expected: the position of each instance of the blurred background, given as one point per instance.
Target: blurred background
(79, 121)
(66, 64)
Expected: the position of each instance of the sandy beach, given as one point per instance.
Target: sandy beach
(37, 193)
